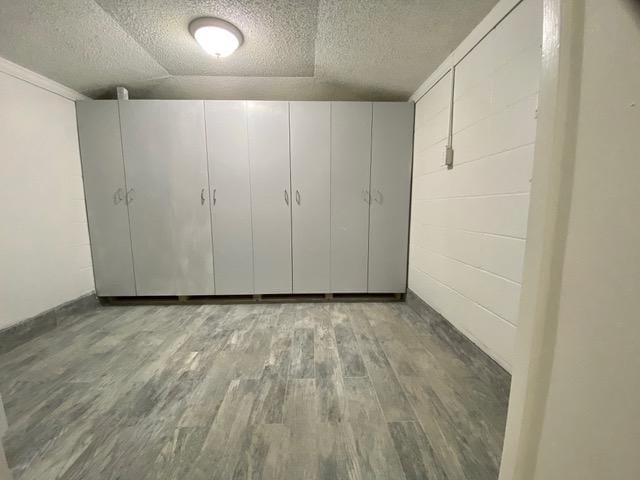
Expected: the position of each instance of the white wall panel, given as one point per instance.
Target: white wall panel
(497, 215)
(472, 107)
(517, 79)
(469, 223)
(503, 173)
(432, 117)
(430, 159)
(497, 294)
(487, 330)
(435, 129)
(44, 245)
(473, 142)
(500, 255)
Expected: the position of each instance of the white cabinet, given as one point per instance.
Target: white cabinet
(350, 174)
(166, 169)
(105, 188)
(311, 189)
(230, 186)
(268, 124)
(247, 197)
(392, 134)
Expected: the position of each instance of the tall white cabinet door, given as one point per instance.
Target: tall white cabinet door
(270, 196)
(166, 169)
(350, 176)
(392, 133)
(104, 184)
(228, 151)
(311, 189)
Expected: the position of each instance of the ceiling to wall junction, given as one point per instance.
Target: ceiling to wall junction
(293, 49)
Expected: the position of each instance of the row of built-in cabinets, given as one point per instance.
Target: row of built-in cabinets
(246, 197)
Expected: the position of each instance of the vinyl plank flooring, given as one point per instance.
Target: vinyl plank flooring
(352, 363)
(266, 454)
(178, 453)
(392, 398)
(271, 395)
(291, 391)
(337, 453)
(374, 448)
(415, 451)
(329, 379)
(228, 435)
(301, 418)
(303, 353)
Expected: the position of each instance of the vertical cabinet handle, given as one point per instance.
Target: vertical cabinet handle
(298, 197)
(202, 197)
(214, 196)
(286, 196)
(366, 196)
(378, 197)
(131, 195)
(118, 196)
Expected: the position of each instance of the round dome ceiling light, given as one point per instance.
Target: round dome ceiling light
(216, 37)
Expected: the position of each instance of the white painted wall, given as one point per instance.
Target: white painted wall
(44, 245)
(575, 394)
(468, 226)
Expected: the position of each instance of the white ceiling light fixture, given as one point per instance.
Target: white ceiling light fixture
(216, 37)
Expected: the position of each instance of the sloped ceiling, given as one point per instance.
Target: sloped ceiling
(293, 49)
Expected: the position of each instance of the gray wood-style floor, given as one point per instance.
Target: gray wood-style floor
(292, 391)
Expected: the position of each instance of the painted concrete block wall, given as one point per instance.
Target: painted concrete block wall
(44, 245)
(468, 226)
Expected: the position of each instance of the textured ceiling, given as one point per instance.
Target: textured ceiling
(294, 49)
(279, 35)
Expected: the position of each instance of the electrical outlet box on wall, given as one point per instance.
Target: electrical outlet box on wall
(448, 156)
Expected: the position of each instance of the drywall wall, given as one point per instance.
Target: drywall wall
(575, 397)
(44, 246)
(468, 226)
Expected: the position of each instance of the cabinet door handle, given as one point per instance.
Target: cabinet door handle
(286, 196)
(378, 197)
(202, 197)
(366, 196)
(214, 196)
(131, 195)
(118, 196)
(297, 197)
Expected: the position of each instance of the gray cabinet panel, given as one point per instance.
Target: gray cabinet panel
(350, 174)
(166, 170)
(392, 133)
(104, 184)
(228, 151)
(270, 196)
(311, 189)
